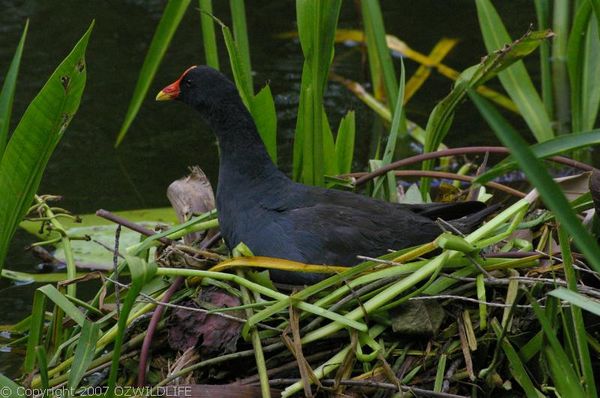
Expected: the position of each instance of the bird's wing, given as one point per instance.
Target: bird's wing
(298, 196)
(331, 232)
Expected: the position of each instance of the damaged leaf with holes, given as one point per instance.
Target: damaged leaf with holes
(35, 137)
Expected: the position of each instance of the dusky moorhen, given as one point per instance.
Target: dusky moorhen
(276, 217)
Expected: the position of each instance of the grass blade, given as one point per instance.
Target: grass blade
(591, 70)
(37, 319)
(261, 106)
(536, 173)
(560, 76)
(440, 119)
(542, 11)
(35, 137)
(576, 315)
(265, 117)
(141, 273)
(577, 299)
(35, 330)
(397, 129)
(7, 93)
(517, 369)
(344, 144)
(241, 76)
(565, 378)
(84, 353)
(317, 22)
(555, 146)
(596, 5)
(515, 80)
(439, 374)
(64, 303)
(240, 33)
(167, 26)
(576, 60)
(373, 21)
(40, 352)
(209, 39)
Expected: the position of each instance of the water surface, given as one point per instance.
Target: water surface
(166, 138)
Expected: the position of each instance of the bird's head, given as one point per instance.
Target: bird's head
(201, 87)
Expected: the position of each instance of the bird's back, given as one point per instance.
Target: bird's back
(322, 226)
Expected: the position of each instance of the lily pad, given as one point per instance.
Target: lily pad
(97, 253)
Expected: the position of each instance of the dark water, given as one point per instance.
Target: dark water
(166, 138)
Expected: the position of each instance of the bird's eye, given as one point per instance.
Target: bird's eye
(188, 83)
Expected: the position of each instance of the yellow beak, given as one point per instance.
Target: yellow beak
(165, 96)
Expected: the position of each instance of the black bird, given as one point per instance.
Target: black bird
(276, 217)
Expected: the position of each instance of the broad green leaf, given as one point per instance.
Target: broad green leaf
(344, 143)
(537, 174)
(84, 353)
(317, 22)
(555, 146)
(265, 117)
(12, 387)
(7, 93)
(441, 117)
(171, 17)
(516, 80)
(211, 53)
(95, 253)
(35, 137)
(161, 215)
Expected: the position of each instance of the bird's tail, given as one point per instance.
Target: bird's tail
(472, 221)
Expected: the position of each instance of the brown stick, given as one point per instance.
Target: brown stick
(459, 151)
(156, 316)
(129, 224)
(442, 174)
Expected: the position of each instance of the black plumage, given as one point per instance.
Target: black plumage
(276, 217)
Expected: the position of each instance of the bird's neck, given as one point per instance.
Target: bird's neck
(243, 158)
